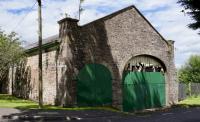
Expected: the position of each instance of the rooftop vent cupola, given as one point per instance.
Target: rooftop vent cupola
(67, 25)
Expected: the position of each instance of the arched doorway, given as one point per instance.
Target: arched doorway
(143, 83)
(94, 86)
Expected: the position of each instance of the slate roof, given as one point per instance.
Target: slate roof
(48, 40)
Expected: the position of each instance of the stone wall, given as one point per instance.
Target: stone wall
(111, 41)
(25, 77)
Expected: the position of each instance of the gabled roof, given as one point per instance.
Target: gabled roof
(55, 38)
(121, 11)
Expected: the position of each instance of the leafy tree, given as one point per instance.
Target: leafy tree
(194, 11)
(10, 52)
(190, 72)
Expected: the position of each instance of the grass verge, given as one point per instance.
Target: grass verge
(8, 101)
(190, 101)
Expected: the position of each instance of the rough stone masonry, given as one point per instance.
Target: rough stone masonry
(111, 41)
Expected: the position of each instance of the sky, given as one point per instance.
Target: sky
(165, 15)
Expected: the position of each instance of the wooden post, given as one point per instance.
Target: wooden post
(79, 11)
(189, 89)
(40, 87)
(80, 8)
(12, 92)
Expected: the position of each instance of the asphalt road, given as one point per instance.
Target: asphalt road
(169, 115)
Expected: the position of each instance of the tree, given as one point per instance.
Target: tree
(10, 52)
(194, 11)
(190, 72)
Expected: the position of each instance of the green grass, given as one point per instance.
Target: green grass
(191, 101)
(8, 101)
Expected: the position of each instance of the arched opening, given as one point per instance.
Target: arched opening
(143, 83)
(94, 86)
(145, 63)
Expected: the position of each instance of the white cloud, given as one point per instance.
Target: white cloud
(165, 15)
(172, 24)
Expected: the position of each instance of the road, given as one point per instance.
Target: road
(169, 115)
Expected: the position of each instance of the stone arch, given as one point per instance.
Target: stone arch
(127, 58)
(143, 82)
(110, 68)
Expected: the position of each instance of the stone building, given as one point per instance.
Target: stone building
(119, 60)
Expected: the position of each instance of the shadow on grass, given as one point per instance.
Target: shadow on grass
(51, 107)
(7, 97)
(17, 103)
(29, 110)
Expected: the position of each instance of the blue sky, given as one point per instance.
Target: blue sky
(19, 11)
(165, 16)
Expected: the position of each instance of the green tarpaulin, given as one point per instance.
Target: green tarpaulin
(143, 90)
(94, 86)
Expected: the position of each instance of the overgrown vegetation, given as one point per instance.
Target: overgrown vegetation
(11, 53)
